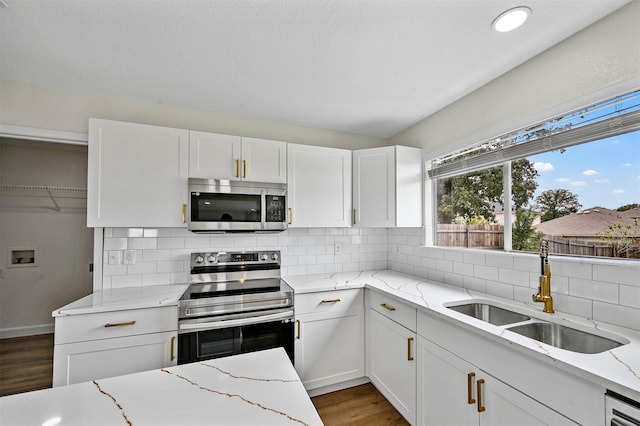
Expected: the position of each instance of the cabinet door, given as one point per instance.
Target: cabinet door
(319, 186)
(391, 364)
(214, 156)
(329, 350)
(374, 187)
(446, 391)
(264, 160)
(505, 405)
(98, 359)
(137, 175)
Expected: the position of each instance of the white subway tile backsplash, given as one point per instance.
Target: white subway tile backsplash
(594, 290)
(608, 291)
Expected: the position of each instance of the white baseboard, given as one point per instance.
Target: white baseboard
(338, 386)
(30, 330)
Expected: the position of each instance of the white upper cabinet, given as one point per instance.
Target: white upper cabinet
(387, 187)
(319, 186)
(137, 175)
(216, 156)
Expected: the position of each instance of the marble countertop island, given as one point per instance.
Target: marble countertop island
(258, 388)
(617, 369)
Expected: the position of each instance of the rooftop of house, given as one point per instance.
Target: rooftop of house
(592, 222)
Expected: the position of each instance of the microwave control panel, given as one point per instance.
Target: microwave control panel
(275, 208)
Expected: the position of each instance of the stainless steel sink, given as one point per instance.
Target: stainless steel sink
(489, 313)
(564, 337)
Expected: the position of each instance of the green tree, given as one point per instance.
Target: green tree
(476, 193)
(628, 207)
(524, 236)
(555, 203)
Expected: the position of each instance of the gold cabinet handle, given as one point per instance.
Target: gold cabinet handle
(409, 356)
(244, 168)
(481, 407)
(237, 168)
(184, 213)
(119, 324)
(470, 377)
(290, 216)
(173, 356)
(387, 307)
(299, 335)
(354, 216)
(330, 301)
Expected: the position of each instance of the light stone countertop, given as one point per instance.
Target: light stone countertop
(120, 299)
(616, 369)
(258, 388)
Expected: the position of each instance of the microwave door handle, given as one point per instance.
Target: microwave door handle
(236, 322)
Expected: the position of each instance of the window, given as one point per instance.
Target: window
(573, 180)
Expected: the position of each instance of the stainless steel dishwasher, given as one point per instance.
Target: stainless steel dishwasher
(621, 410)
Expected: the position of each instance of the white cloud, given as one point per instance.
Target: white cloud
(562, 180)
(589, 172)
(618, 191)
(626, 165)
(578, 183)
(543, 167)
(602, 181)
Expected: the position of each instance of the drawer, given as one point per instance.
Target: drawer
(107, 325)
(329, 301)
(392, 308)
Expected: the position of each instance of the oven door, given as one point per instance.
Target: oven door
(209, 338)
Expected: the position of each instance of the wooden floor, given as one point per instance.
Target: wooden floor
(26, 364)
(360, 405)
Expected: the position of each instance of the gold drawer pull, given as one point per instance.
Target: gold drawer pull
(299, 335)
(184, 213)
(331, 301)
(409, 356)
(290, 215)
(481, 408)
(354, 216)
(173, 356)
(237, 168)
(244, 168)
(387, 307)
(470, 398)
(119, 324)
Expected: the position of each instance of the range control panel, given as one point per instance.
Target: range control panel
(241, 257)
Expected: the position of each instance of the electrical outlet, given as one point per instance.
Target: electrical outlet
(337, 249)
(130, 257)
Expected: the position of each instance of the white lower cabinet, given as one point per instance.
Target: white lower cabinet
(391, 356)
(99, 345)
(454, 392)
(329, 345)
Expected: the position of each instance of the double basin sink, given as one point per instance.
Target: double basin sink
(550, 333)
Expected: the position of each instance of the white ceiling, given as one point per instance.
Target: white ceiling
(371, 67)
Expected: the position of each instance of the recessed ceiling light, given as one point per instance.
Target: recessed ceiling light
(511, 19)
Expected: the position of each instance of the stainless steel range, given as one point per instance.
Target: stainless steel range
(236, 303)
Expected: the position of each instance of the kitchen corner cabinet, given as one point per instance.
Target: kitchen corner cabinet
(318, 186)
(329, 345)
(387, 187)
(96, 346)
(137, 175)
(391, 351)
(216, 156)
(455, 392)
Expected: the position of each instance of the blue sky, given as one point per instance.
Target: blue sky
(604, 173)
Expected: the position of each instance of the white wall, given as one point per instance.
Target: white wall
(597, 63)
(67, 110)
(28, 295)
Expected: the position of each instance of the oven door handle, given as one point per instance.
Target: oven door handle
(235, 322)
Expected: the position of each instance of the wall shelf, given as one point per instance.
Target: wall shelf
(57, 195)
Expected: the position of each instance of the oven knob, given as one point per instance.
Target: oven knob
(274, 256)
(211, 259)
(199, 259)
(265, 257)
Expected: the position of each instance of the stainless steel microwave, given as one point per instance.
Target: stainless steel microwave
(217, 205)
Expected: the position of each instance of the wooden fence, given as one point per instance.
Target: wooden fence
(560, 245)
(472, 236)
